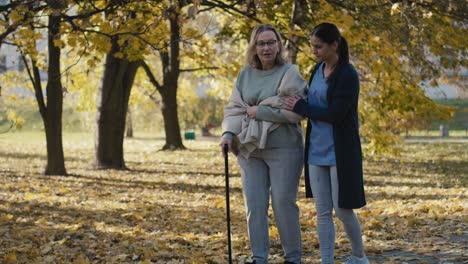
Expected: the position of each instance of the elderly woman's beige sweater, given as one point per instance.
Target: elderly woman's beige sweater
(273, 127)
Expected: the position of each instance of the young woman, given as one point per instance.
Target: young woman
(333, 150)
(271, 148)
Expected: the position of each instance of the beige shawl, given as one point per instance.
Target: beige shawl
(252, 134)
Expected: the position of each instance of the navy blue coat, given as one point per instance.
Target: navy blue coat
(342, 113)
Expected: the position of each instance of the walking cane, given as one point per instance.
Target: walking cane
(228, 214)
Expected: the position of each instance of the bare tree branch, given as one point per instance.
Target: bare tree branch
(150, 95)
(151, 77)
(199, 69)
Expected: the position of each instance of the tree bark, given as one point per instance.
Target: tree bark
(168, 92)
(297, 18)
(52, 117)
(171, 68)
(171, 119)
(129, 124)
(113, 97)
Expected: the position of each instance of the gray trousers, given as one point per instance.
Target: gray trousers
(324, 183)
(277, 169)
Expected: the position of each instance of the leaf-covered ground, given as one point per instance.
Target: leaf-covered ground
(170, 206)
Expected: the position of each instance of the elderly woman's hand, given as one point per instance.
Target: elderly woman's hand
(288, 102)
(252, 111)
(228, 142)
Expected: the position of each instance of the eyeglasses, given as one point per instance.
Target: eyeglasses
(269, 43)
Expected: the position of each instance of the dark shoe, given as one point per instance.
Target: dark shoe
(289, 262)
(250, 262)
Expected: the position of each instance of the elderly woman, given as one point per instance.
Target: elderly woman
(267, 141)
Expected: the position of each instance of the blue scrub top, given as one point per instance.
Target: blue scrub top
(322, 147)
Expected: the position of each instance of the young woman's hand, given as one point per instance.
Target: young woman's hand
(288, 102)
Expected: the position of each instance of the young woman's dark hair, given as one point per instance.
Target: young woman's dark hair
(329, 33)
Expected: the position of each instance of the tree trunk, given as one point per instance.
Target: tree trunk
(129, 124)
(297, 18)
(113, 97)
(171, 120)
(53, 116)
(171, 68)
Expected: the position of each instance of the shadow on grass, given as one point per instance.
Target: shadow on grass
(41, 157)
(186, 172)
(146, 139)
(377, 183)
(92, 181)
(421, 170)
(406, 196)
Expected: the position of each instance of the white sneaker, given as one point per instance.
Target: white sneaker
(355, 260)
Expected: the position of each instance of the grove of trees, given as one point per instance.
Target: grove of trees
(112, 48)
